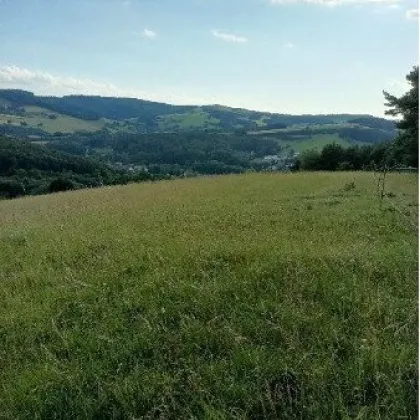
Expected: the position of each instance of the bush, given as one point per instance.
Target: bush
(11, 189)
(61, 184)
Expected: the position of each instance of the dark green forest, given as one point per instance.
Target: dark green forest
(185, 149)
(27, 169)
(334, 157)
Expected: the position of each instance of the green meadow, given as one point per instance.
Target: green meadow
(258, 296)
(314, 142)
(195, 119)
(51, 122)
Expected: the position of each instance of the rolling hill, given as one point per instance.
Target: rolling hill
(91, 113)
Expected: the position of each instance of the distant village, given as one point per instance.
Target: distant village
(276, 162)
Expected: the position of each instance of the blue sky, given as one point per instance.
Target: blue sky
(289, 56)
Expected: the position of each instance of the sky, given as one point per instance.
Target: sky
(287, 56)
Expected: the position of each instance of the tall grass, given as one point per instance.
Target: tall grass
(237, 297)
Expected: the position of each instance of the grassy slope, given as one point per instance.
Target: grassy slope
(197, 120)
(299, 127)
(317, 142)
(314, 141)
(63, 123)
(256, 296)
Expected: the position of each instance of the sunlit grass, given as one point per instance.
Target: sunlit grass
(37, 117)
(198, 119)
(252, 296)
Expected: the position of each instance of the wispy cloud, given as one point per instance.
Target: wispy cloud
(289, 45)
(334, 3)
(386, 8)
(412, 14)
(234, 39)
(147, 33)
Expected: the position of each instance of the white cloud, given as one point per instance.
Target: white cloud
(44, 83)
(333, 3)
(147, 33)
(412, 14)
(229, 37)
(387, 8)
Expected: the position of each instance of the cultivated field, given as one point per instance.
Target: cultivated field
(241, 297)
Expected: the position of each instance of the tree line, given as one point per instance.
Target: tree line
(30, 169)
(334, 157)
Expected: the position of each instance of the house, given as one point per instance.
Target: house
(272, 158)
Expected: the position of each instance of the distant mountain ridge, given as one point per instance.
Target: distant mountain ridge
(138, 115)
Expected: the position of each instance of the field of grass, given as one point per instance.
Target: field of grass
(301, 142)
(316, 141)
(299, 127)
(260, 296)
(262, 122)
(36, 117)
(197, 119)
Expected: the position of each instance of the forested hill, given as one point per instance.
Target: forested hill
(27, 168)
(136, 115)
